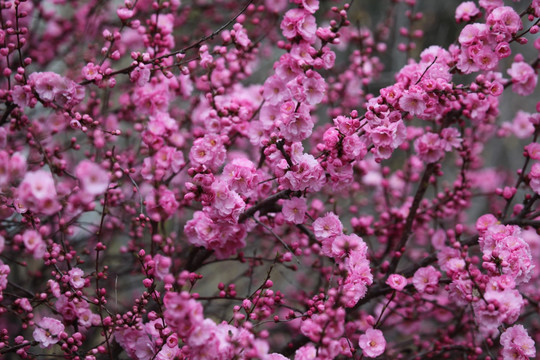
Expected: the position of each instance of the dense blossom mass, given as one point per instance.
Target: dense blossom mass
(269, 179)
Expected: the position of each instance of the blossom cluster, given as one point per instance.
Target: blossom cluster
(268, 180)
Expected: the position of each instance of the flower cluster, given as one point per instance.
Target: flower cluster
(271, 179)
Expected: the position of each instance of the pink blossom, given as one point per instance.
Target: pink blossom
(466, 11)
(504, 20)
(297, 126)
(306, 352)
(76, 278)
(47, 332)
(93, 178)
(426, 279)
(314, 88)
(396, 282)
(533, 150)
(53, 87)
(328, 226)
(37, 192)
(182, 314)
(534, 175)
(413, 102)
(311, 5)
(299, 22)
(450, 139)
(275, 90)
(523, 78)
(429, 147)
(517, 344)
(307, 174)
(372, 343)
(522, 126)
(208, 150)
(162, 266)
(294, 210)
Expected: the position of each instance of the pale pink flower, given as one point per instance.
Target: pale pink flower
(76, 278)
(426, 279)
(372, 343)
(32, 240)
(413, 102)
(524, 78)
(534, 175)
(429, 147)
(294, 210)
(466, 11)
(94, 179)
(47, 332)
(328, 226)
(517, 344)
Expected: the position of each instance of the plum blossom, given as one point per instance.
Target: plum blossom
(396, 282)
(372, 343)
(466, 11)
(524, 78)
(517, 344)
(534, 175)
(426, 279)
(94, 179)
(47, 332)
(76, 278)
(37, 192)
(328, 226)
(294, 210)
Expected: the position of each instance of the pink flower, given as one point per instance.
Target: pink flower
(466, 11)
(32, 240)
(396, 282)
(162, 266)
(37, 193)
(306, 175)
(275, 90)
(314, 88)
(426, 279)
(517, 344)
(47, 332)
(311, 5)
(504, 20)
(182, 314)
(328, 226)
(124, 13)
(299, 22)
(208, 150)
(297, 126)
(413, 102)
(343, 245)
(294, 210)
(372, 343)
(534, 175)
(522, 126)
(533, 150)
(523, 78)
(76, 278)
(429, 147)
(241, 175)
(93, 178)
(450, 139)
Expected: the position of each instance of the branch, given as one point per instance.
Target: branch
(412, 214)
(264, 204)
